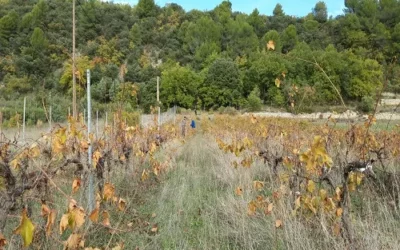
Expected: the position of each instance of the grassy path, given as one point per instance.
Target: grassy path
(196, 208)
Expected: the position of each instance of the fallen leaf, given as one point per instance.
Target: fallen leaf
(25, 229)
(239, 191)
(339, 212)
(154, 229)
(258, 185)
(269, 209)
(278, 223)
(76, 185)
(252, 208)
(106, 219)
(121, 204)
(3, 241)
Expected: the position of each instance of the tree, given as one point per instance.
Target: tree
(258, 22)
(241, 38)
(320, 12)
(222, 86)
(278, 10)
(179, 86)
(289, 38)
(146, 8)
(274, 36)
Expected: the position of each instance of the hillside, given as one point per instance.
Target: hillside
(206, 59)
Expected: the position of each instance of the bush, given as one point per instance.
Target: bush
(367, 104)
(227, 111)
(254, 102)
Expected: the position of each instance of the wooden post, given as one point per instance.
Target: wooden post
(74, 108)
(106, 124)
(23, 124)
(1, 126)
(97, 124)
(158, 102)
(50, 119)
(90, 189)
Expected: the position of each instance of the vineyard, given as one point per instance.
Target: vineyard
(234, 182)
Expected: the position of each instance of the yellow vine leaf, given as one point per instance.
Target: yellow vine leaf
(310, 186)
(25, 229)
(108, 191)
(64, 223)
(271, 45)
(252, 208)
(76, 185)
(34, 151)
(96, 158)
(323, 194)
(145, 175)
(74, 241)
(94, 215)
(277, 82)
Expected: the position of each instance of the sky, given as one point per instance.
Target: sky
(290, 7)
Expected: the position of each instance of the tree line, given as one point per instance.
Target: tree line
(206, 59)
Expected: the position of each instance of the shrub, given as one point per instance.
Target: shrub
(254, 102)
(367, 104)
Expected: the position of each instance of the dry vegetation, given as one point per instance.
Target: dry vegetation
(234, 183)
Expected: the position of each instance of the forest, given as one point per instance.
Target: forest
(205, 59)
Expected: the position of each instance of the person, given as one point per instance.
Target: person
(193, 124)
(183, 126)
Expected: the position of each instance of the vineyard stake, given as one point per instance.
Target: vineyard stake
(158, 102)
(23, 125)
(90, 190)
(97, 124)
(50, 119)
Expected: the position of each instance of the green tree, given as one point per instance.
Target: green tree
(278, 10)
(179, 86)
(289, 38)
(222, 85)
(146, 8)
(274, 36)
(320, 12)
